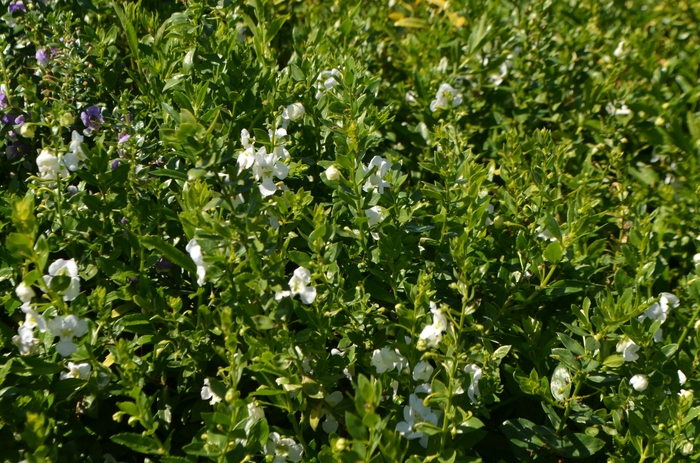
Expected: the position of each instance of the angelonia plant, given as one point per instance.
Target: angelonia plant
(357, 231)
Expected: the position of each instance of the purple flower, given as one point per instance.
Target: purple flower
(123, 138)
(42, 57)
(92, 118)
(115, 164)
(8, 119)
(123, 221)
(163, 265)
(3, 100)
(19, 120)
(15, 151)
(14, 7)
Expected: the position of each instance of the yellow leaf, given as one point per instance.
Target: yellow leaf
(415, 23)
(315, 416)
(109, 360)
(395, 16)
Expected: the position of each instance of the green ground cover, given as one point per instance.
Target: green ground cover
(439, 231)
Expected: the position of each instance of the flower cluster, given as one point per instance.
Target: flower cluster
(658, 311)
(264, 165)
(386, 359)
(432, 334)
(299, 284)
(445, 98)
(414, 413)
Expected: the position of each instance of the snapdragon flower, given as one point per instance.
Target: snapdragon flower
(66, 268)
(473, 390)
(628, 349)
(283, 449)
(378, 167)
(15, 6)
(197, 257)
(67, 328)
(49, 166)
(432, 333)
(326, 81)
(416, 412)
(422, 371)
(446, 96)
(266, 166)
(387, 359)
(658, 311)
(42, 58)
(77, 371)
(299, 284)
(24, 292)
(639, 382)
(207, 394)
(92, 118)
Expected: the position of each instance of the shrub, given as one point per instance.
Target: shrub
(324, 231)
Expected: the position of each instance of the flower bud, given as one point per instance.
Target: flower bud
(687, 448)
(340, 444)
(27, 131)
(333, 174)
(697, 325)
(230, 396)
(294, 111)
(639, 382)
(25, 293)
(498, 223)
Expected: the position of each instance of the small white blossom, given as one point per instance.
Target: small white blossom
(32, 318)
(326, 81)
(658, 311)
(77, 371)
(628, 349)
(75, 155)
(246, 158)
(387, 359)
(681, 377)
(422, 371)
(378, 167)
(446, 96)
(374, 215)
(299, 284)
(66, 268)
(620, 50)
(432, 333)
(25, 341)
(67, 328)
(207, 394)
(24, 292)
(621, 111)
(639, 382)
(416, 412)
(473, 390)
(411, 97)
(49, 166)
(197, 257)
(687, 448)
(283, 449)
(266, 165)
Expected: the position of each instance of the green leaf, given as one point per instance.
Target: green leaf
(553, 252)
(614, 361)
(170, 252)
(138, 443)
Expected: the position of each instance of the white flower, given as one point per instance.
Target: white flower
(681, 377)
(432, 334)
(266, 165)
(639, 382)
(67, 328)
(255, 414)
(293, 112)
(497, 79)
(422, 371)
(76, 155)
(32, 318)
(283, 449)
(66, 268)
(246, 158)
(207, 394)
(198, 258)
(416, 412)
(473, 390)
(379, 168)
(545, 234)
(375, 215)
(299, 284)
(628, 349)
(25, 341)
(326, 81)
(696, 259)
(24, 292)
(387, 359)
(49, 167)
(622, 111)
(411, 97)
(333, 174)
(620, 49)
(78, 371)
(687, 448)
(446, 96)
(658, 311)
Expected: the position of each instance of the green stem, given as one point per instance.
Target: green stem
(567, 411)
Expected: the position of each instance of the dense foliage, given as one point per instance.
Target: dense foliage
(448, 231)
